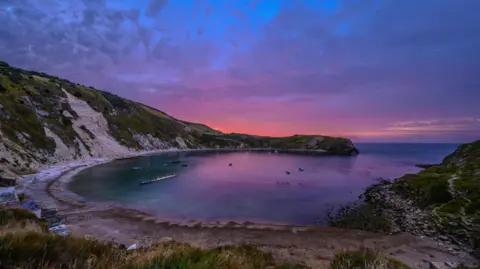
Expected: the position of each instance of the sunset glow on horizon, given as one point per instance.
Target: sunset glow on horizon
(372, 71)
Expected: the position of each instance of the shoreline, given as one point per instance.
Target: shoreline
(49, 188)
(121, 224)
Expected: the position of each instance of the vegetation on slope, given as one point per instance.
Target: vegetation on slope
(448, 194)
(329, 144)
(451, 192)
(30, 100)
(365, 259)
(28, 249)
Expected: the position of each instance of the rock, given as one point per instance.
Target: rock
(451, 216)
(67, 114)
(438, 265)
(452, 264)
(443, 238)
(132, 247)
(165, 239)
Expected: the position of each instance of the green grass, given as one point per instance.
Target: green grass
(182, 256)
(427, 188)
(43, 250)
(365, 259)
(19, 216)
(29, 250)
(39, 250)
(430, 189)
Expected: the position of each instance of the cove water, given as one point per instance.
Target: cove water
(256, 187)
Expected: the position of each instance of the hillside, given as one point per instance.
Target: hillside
(45, 119)
(441, 202)
(450, 193)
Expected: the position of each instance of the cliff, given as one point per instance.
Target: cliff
(45, 119)
(441, 202)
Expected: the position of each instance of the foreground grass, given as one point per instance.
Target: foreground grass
(33, 249)
(365, 259)
(40, 250)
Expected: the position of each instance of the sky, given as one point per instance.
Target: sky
(370, 70)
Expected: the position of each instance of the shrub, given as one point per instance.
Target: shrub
(19, 217)
(365, 259)
(15, 76)
(37, 250)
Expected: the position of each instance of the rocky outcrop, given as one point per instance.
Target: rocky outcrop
(441, 202)
(46, 119)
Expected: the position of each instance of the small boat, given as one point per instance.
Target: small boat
(184, 165)
(230, 164)
(136, 168)
(286, 172)
(156, 179)
(300, 169)
(276, 151)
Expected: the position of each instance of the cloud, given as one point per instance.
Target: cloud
(155, 7)
(337, 67)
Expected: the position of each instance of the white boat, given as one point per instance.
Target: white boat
(156, 179)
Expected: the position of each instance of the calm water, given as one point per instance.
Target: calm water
(253, 188)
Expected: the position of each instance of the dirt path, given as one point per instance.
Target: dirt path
(312, 246)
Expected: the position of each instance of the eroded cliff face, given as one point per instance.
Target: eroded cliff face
(46, 119)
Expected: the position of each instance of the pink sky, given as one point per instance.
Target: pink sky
(368, 70)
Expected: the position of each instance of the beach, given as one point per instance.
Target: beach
(311, 245)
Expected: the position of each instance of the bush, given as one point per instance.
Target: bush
(15, 76)
(19, 217)
(41, 250)
(37, 250)
(365, 259)
(440, 194)
(179, 256)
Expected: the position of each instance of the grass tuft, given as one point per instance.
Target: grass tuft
(365, 259)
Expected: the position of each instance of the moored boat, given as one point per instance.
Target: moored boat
(156, 179)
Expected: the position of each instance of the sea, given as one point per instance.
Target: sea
(248, 186)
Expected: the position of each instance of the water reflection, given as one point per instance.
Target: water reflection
(254, 187)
